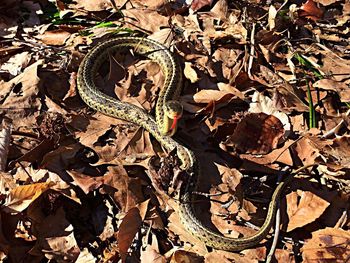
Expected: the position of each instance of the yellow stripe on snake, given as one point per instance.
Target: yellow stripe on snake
(167, 110)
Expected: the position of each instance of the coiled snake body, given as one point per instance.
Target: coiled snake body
(99, 101)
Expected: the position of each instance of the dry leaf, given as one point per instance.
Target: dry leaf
(176, 227)
(284, 255)
(326, 2)
(336, 66)
(310, 10)
(16, 63)
(91, 5)
(147, 19)
(272, 17)
(55, 238)
(85, 257)
(279, 155)
(60, 159)
(225, 257)
(86, 183)
(337, 153)
(220, 9)
(55, 38)
(151, 253)
(208, 96)
(181, 256)
(22, 196)
(338, 86)
(264, 104)
(5, 136)
(329, 244)
(19, 97)
(307, 151)
(198, 4)
(303, 208)
(130, 225)
(190, 73)
(256, 134)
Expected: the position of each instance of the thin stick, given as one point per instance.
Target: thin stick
(278, 212)
(251, 53)
(277, 222)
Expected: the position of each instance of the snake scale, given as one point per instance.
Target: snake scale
(99, 101)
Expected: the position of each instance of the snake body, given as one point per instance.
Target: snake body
(99, 101)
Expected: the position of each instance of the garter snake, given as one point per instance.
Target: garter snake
(99, 101)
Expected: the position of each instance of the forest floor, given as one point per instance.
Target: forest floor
(266, 91)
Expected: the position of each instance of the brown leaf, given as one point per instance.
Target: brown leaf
(143, 209)
(151, 252)
(338, 153)
(310, 10)
(279, 155)
(181, 256)
(127, 230)
(55, 238)
(86, 183)
(284, 255)
(198, 4)
(257, 254)
(225, 257)
(207, 96)
(264, 104)
(37, 153)
(329, 244)
(118, 182)
(326, 2)
(176, 227)
(257, 134)
(8, 26)
(336, 66)
(153, 4)
(236, 31)
(55, 38)
(147, 19)
(60, 159)
(307, 149)
(338, 86)
(19, 96)
(221, 213)
(220, 9)
(91, 5)
(289, 99)
(231, 63)
(16, 63)
(164, 36)
(303, 208)
(144, 78)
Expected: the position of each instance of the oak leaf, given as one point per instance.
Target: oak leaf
(329, 244)
(304, 208)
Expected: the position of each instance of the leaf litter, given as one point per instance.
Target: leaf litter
(266, 89)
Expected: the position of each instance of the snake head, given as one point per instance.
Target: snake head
(172, 113)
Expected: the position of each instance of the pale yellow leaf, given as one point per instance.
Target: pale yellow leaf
(22, 196)
(190, 73)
